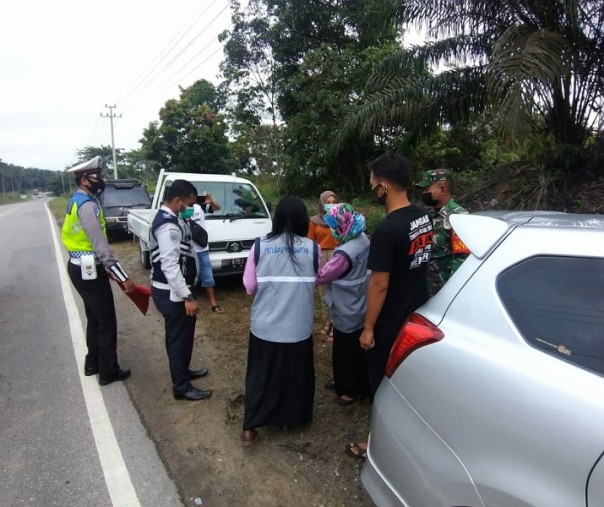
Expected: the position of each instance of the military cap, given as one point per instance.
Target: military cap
(92, 166)
(433, 176)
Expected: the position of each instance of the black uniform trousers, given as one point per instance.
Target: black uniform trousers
(180, 332)
(101, 326)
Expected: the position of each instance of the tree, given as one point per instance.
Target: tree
(105, 152)
(535, 64)
(191, 134)
(250, 77)
(14, 178)
(308, 62)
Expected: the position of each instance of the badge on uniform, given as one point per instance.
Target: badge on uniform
(88, 266)
(173, 236)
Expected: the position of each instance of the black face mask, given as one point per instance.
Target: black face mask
(428, 200)
(97, 187)
(380, 200)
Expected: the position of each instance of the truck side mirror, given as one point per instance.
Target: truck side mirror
(269, 206)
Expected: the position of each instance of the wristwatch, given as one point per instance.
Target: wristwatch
(189, 298)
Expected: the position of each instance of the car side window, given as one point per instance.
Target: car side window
(557, 304)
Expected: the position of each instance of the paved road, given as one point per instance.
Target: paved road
(63, 439)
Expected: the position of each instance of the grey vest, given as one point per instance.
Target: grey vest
(284, 307)
(347, 296)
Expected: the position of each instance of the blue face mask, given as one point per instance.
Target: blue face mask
(327, 207)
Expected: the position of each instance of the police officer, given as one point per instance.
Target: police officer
(173, 290)
(448, 251)
(91, 263)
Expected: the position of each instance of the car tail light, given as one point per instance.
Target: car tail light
(416, 332)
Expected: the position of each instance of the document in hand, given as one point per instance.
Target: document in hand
(140, 297)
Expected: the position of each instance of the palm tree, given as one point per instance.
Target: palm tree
(535, 63)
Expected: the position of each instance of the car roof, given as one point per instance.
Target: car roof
(546, 218)
(203, 177)
(482, 231)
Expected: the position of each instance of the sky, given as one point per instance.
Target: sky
(63, 61)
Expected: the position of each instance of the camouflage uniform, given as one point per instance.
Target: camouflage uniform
(448, 251)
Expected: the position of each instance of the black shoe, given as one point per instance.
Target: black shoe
(193, 394)
(120, 375)
(90, 371)
(193, 374)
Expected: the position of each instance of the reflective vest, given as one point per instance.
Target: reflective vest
(346, 297)
(73, 235)
(284, 304)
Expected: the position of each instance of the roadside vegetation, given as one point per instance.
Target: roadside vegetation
(509, 95)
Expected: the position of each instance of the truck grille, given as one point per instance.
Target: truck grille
(230, 246)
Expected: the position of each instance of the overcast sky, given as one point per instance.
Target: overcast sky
(62, 61)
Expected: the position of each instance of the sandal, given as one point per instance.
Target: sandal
(217, 309)
(355, 450)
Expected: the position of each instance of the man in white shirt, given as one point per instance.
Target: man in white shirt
(205, 204)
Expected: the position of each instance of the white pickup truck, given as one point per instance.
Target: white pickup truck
(242, 217)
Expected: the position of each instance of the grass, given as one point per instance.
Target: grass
(57, 207)
(14, 197)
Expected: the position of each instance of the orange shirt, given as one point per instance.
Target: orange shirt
(322, 235)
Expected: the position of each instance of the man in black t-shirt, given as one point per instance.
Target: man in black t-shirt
(398, 257)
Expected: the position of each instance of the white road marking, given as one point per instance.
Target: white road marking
(116, 474)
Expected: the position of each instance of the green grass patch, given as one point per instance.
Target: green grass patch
(57, 207)
(14, 197)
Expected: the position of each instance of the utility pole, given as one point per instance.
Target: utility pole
(112, 115)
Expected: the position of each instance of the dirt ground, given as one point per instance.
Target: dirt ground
(200, 441)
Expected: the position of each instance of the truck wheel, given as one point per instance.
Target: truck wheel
(145, 261)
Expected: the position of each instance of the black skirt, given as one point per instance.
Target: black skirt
(279, 384)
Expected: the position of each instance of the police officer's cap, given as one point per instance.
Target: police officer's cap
(92, 166)
(433, 176)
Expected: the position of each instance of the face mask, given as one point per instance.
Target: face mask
(428, 200)
(327, 207)
(186, 214)
(97, 187)
(380, 200)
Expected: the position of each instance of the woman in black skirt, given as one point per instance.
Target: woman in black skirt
(281, 271)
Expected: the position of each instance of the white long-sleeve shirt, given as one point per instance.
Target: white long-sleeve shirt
(168, 238)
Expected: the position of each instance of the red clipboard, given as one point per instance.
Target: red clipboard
(140, 297)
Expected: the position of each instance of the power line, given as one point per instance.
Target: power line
(167, 48)
(136, 106)
(94, 131)
(175, 74)
(175, 57)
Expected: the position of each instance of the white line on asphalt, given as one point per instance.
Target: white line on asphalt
(115, 472)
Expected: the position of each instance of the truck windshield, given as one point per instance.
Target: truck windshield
(125, 197)
(236, 200)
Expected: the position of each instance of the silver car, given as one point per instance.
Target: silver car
(494, 392)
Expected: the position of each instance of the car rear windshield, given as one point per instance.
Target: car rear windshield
(236, 200)
(133, 196)
(557, 303)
